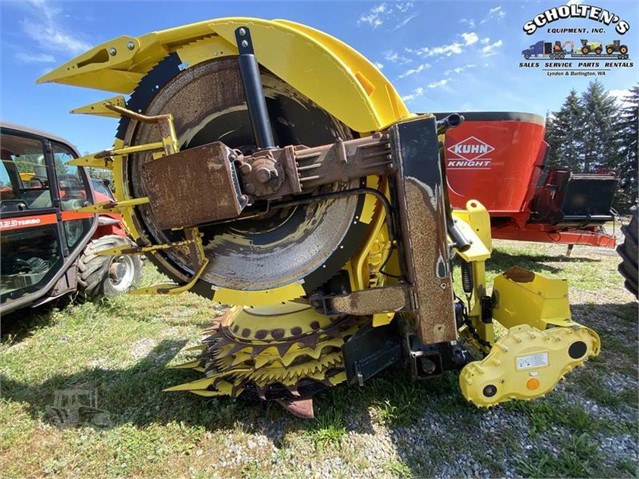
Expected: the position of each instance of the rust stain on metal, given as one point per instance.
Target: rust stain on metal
(519, 275)
(371, 301)
(435, 319)
(192, 187)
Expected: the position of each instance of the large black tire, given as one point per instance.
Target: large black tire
(628, 252)
(100, 276)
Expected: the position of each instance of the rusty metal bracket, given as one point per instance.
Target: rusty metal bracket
(196, 250)
(111, 206)
(172, 288)
(365, 302)
(195, 186)
(165, 125)
(128, 250)
(420, 195)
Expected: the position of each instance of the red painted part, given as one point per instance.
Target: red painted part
(113, 229)
(550, 235)
(495, 162)
(27, 222)
(113, 224)
(498, 158)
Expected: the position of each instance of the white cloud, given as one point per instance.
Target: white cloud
(385, 12)
(44, 25)
(459, 70)
(394, 57)
(404, 7)
(485, 41)
(494, 13)
(380, 66)
(574, 2)
(470, 38)
(468, 21)
(405, 21)
(619, 96)
(437, 84)
(454, 48)
(489, 50)
(414, 71)
(35, 57)
(374, 17)
(443, 50)
(417, 92)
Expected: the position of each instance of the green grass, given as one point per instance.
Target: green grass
(577, 457)
(120, 348)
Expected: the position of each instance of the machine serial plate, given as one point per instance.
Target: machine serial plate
(538, 360)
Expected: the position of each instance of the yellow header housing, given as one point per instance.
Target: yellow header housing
(312, 62)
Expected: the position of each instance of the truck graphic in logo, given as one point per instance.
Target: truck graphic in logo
(469, 153)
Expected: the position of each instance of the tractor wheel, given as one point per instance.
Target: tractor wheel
(609, 50)
(598, 50)
(623, 49)
(585, 50)
(101, 276)
(628, 252)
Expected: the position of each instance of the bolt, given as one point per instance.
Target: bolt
(427, 365)
(264, 175)
(242, 32)
(130, 45)
(112, 51)
(250, 188)
(245, 168)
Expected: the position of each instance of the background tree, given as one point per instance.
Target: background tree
(591, 132)
(599, 129)
(628, 150)
(564, 135)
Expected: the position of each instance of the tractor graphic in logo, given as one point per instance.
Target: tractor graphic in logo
(74, 407)
(470, 152)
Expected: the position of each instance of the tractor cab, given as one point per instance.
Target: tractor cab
(51, 240)
(39, 230)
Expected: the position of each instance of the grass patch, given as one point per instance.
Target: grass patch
(576, 457)
(120, 348)
(329, 428)
(399, 469)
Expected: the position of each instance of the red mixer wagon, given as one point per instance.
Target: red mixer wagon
(499, 159)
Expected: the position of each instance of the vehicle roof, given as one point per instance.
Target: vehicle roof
(36, 132)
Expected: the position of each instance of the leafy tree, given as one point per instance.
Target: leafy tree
(599, 132)
(564, 134)
(627, 152)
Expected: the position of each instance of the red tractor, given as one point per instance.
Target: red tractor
(47, 249)
(499, 159)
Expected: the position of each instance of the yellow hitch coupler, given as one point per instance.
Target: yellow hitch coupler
(542, 345)
(527, 363)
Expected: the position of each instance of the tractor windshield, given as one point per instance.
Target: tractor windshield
(24, 182)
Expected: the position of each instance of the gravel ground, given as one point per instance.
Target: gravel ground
(505, 440)
(391, 427)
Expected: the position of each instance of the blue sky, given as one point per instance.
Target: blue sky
(441, 56)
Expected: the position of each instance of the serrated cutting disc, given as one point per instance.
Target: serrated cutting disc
(305, 244)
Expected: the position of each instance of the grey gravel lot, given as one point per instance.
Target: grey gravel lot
(391, 427)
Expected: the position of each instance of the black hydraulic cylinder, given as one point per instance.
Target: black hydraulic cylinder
(255, 101)
(451, 121)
